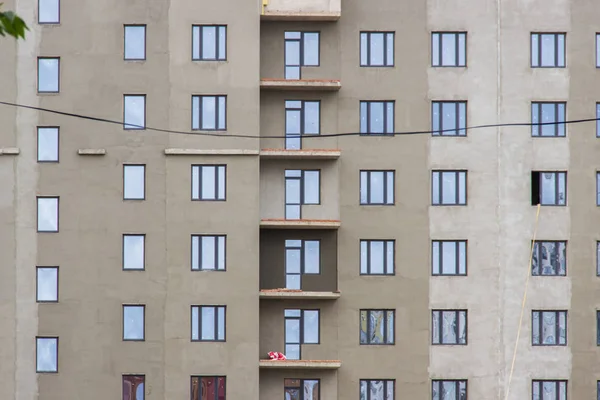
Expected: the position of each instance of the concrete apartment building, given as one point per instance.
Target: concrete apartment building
(144, 264)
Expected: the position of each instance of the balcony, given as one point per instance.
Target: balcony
(301, 10)
(322, 85)
(290, 294)
(300, 364)
(270, 223)
(309, 154)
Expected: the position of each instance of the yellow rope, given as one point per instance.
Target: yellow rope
(512, 367)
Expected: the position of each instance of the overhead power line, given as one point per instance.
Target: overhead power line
(218, 134)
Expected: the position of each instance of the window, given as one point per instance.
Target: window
(47, 144)
(449, 257)
(46, 354)
(301, 389)
(47, 214)
(449, 188)
(47, 284)
(209, 42)
(208, 388)
(549, 328)
(598, 52)
(133, 387)
(134, 325)
(134, 182)
(377, 187)
(549, 258)
(208, 252)
(301, 187)
(135, 42)
(448, 389)
(449, 118)
(48, 11)
(377, 117)
(134, 252)
(134, 111)
(377, 326)
(549, 390)
(209, 113)
(302, 257)
(598, 258)
(549, 188)
(373, 389)
(48, 74)
(377, 257)
(301, 327)
(449, 327)
(598, 328)
(449, 49)
(548, 119)
(377, 49)
(302, 117)
(547, 50)
(301, 50)
(208, 182)
(598, 118)
(208, 323)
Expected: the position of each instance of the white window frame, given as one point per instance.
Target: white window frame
(48, 144)
(48, 69)
(368, 46)
(46, 346)
(202, 192)
(219, 42)
(201, 316)
(131, 312)
(438, 185)
(131, 39)
(52, 204)
(388, 187)
(369, 253)
(46, 284)
(216, 246)
(451, 45)
(54, 17)
(218, 122)
(134, 182)
(558, 49)
(457, 261)
(129, 250)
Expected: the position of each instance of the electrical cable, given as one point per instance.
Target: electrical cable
(514, 358)
(218, 134)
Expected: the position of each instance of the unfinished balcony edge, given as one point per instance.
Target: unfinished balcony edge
(300, 364)
(298, 16)
(271, 223)
(291, 294)
(321, 85)
(307, 154)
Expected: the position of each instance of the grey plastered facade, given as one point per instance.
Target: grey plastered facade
(498, 220)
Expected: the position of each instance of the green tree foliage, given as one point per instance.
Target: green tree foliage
(12, 25)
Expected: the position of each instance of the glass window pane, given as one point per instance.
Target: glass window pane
(135, 42)
(195, 43)
(221, 323)
(312, 257)
(221, 183)
(435, 256)
(462, 49)
(548, 117)
(462, 118)
(548, 185)
(390, 187)
(377, 257)
(133, 322)
(363, 48)
(562, 188)
(390, 50)
(548, 53)
(222, 112)
(293, 261)
(311, 49)
(133, 251)
(597, 50)
(363, 256)
(221, 252)
(535, 112)
(376, 123)
(448, 49)
(462, 188)
(48, 71)
(377, 187)
(449, 195)
(311, 117)
(209, 112)
(47, 284)
(561, 51)
(449, 258)
(364, 189)
(435, 49)
(208, 323)
(47, 144)
(222, 43)
(293, 122)
(435, 188)
(311, 187)
(47, 214)
(435, 118)
(389, 125)
(209, 42)
(390, 327)
(292, 330)
(134, 177)
(195, 320)
(208, 182)
(462, 257)
(195, 112)
(49, 11)
(449, 118)
(535, 61)
(292, 53)
(135, 112)
(311, 326)
(208, 252)
(390, 257)
(377, 49)
(195, 252)
(363, 117)
(47, 354)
